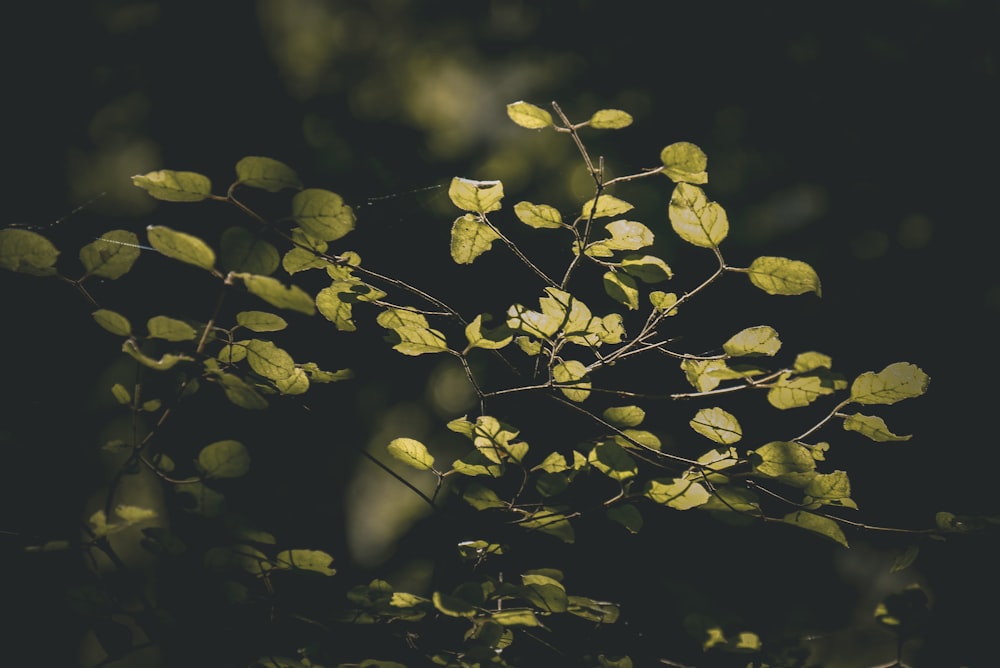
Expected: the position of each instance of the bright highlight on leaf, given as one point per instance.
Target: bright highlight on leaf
(873, 427)
(896, 382)
(528, 115)
(275, 293)
(610, 119)
(695, 219)
(717, 425)
(683, 162)
(539, 216)
(170, 329)
(470, 238)
(760, 340)
(604, 206)
(412, 453)
(172, 186)
(781, 276)
(475, 196)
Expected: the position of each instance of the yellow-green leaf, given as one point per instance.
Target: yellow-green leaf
(267, 174)
(275, 293)
(113, 322)
(817, 524)
(572, 378)
(611, 459)
(695, 219)
(166, 362)
(170, 329)
(647, 268)
(242, 250)
(610, 119)
(684, 162)
(604, 206)
(492, 339)
(539, 216)
(663, 301)
(475, 196)
(550, 521)
(269, 360)
(181, 246)
(759, 340)
(316, 561)
(624, 416)
(896, 382)
(112, 255)
(781, 276)
(419, 341)
(528, 115)
(786, 461)
(796, 391)
(622, 288)
(470, 238)
(828, 489)
(27, 252)
(676, 493)
(873, 427)
(411, 452)
(224, 459)
(173, 186)
(812, 360)
(717, 425)
(322, 214)
(261, 321)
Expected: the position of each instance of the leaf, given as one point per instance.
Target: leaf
(663, 302)
(815, 523)
(112, 255)
(322, 214)
(224, 459)
(528, 115)
(393, 318)
(415, 341)
(242, 394)
(627, 235)
(684, 162)
(781, 276)
(515, 617)
(181, 246)
(544, 592)
(828, 489)
(261, 321)
(297, 382)
(896, 382)
(676, 493)
(113, 322)
(242, 250)
(647, 268)
(699, 373)
(172, 186)
(452, 605)
(267, 174)
(812, 360)
(905, 560)
(539, 216)
(873, 427)
(316, 561)
(412, 453)
(622, 289)
(475, 196)
(574, 375)
(550, 521)
(470, 238)
(759, 340)
(786, 461)
(27, 252)
(170, 329)
(695, 219)
(134, 514)
(493, 339)
(600, 612)
(166, 362)
(624, 416)
(631, 438)
(610, 119)
(269, 360)
(717, 425)
(604, 206)
(277, 294)
(796, 391)
(332, 307)
(611, 459)
(628, 516)
(482, 497)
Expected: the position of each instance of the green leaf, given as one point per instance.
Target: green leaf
(828, 489)
(759, 340)
(627, 515)
(269, 360)
(515, 617)
(624, 416)
(695, 219)
(261, 321)
(786, 461)
(905, 560)
(27, 252)
(574, 375)
(481, 497)
(166, 362)
(316, 561)
(733, 499)
(896, 382)
(625, 235)
(412, 453)
(242, 250)
(170, 329)
(393, 318)
(647, 268)
(600, 612)
(815, 523)
(611, 459)
(419, 341)
(544, 592)
(717, 425)
(113, 322)
(335, 309)
(322, 214)
(528, 115)
(550, 521)
(781, 276)
(610, 119)
(277, 294)
(663, 301)
(873, 427)
(475, 196)
(629, 438)
(796, 391)
(683, 162)
(700, 373)
(676, 493)
(539, 216)
(224, 459)
(112, 255)
(452, 605)
(622, 289)
(811, 361)
(171, 186)
(121, 394)
(297, 382)
(470, 238)
(267, 174)
(604, 206)
(242, 394)
(493, 339)
(181, 246)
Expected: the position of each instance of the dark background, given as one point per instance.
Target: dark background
(859, 137)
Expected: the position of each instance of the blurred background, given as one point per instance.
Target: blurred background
(859, 137)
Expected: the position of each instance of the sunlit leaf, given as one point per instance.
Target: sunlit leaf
(630, 438)
(676, 493)
(297, 382)
(452, 605)
(528, 115)
(27, 252)
(261, 321)
(621, 288)
(572, 378)
(539, 216)
(896, 382)
(241, 393)
(515, 617)
(781, 276)
(170, 329)
(828, 489)
(610, 119)
(419, 341)
(275, 293)
(905, 560)
(624, 416)
(267, 174)
(113, 322)
(550, 521)
(316, 561)
(663, 302)
(475, 196)
(733, 500)
(322, 214)
(488, 339)
(647, 268)
(173, 186)
(873, 427)
(627, 515)
(544, 592)
(812, 360)
(684, 162)
(786, 461)
(470, 238)
(796, 391)
(600, 612)
(224, 459)
(133, 514)
(603, 207)
(269, 360)
(759, 340)
(181, 246)
(611, 459)
(695, 219)
(699, 373)
(411, 452)
(815, 523)
(332, 307)
(394, 318)
(717, 425)
(110, 256)
(242, 250)
(166, 362)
